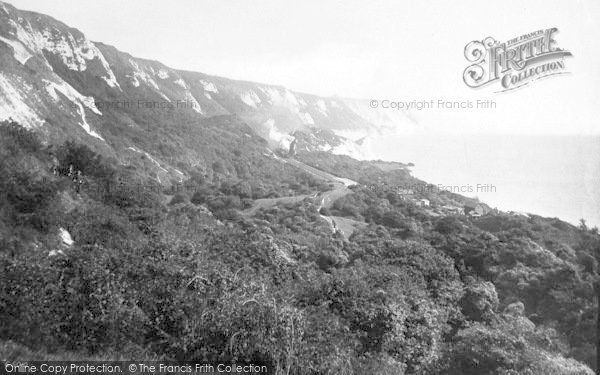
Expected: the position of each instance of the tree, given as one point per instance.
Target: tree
(479, 301)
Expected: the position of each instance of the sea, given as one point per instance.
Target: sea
(547, 175)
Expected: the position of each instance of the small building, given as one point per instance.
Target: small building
(403, 192)
(422, 203)
(453, 210)
(476, 210)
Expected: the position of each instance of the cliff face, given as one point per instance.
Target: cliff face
(54, 79)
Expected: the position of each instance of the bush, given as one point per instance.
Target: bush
(479, 301)
(479, 350)
(25, 138)
(201, 195)
(448, 225)
(74, 303)
(31, 200)
(101, 225)
(178, 198)
(27, 194)
(82, 158)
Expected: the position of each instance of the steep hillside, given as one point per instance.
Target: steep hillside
(54, 79)
(371, 280)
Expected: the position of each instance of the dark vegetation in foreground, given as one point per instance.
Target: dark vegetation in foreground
(152, 275)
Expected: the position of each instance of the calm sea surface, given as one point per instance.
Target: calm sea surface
(554, 176)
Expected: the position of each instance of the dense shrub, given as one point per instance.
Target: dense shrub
(409, 292)
(83, 159)
(29, 200)
(75, 303)
(27, 139)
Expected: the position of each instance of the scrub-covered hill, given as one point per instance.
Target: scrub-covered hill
(151, 213)
(194, 272)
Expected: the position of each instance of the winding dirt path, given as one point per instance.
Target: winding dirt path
(340, 188)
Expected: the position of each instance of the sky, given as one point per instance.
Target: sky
(383, 50)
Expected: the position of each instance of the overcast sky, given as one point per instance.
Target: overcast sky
(375, 50)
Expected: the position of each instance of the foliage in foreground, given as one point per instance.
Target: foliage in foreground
(194, 280)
